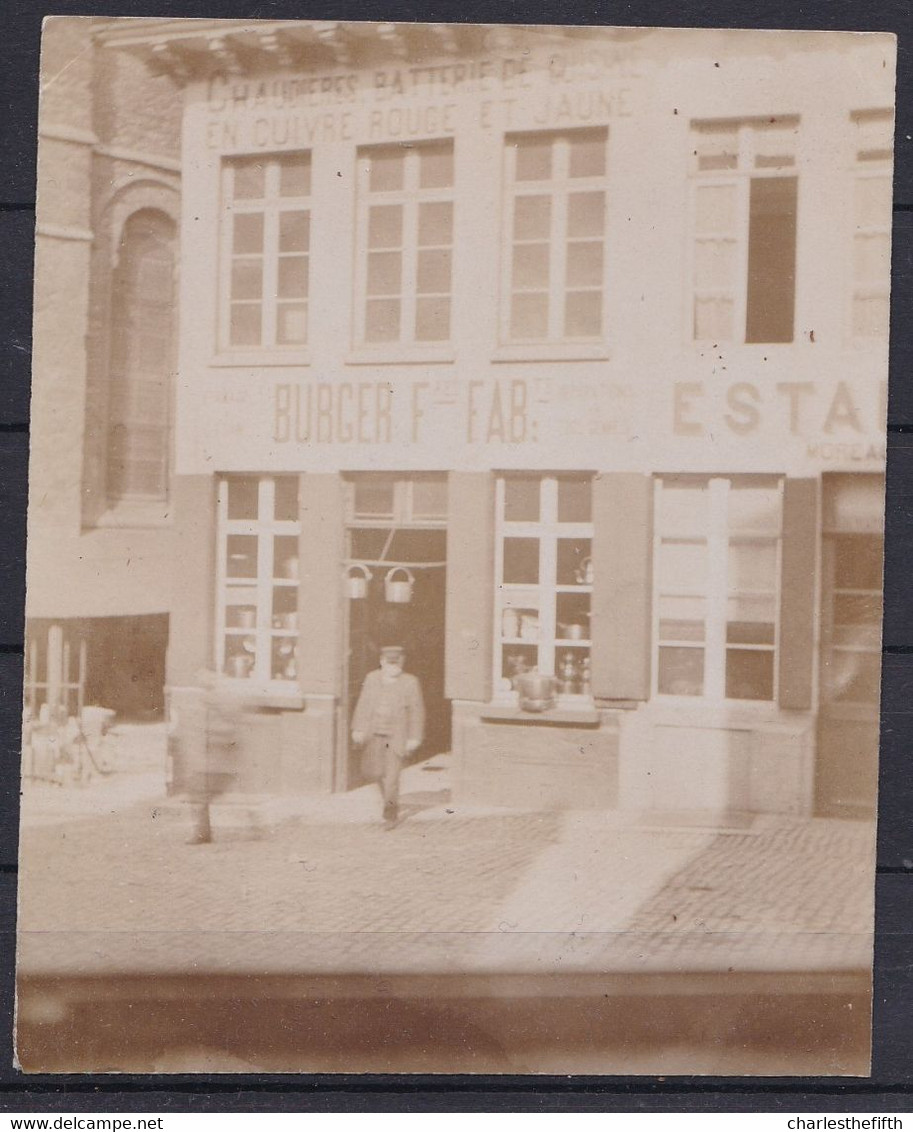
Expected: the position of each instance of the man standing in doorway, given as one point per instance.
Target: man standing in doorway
(389, 723)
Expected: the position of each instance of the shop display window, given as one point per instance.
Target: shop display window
(384, 498)
(871, 266)
(745, 196)
(265, 251)
(258, 569)
(717, 590)
(555, 266)
(544, 581)
(405, 231)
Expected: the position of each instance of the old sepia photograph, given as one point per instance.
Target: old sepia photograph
(455, 537)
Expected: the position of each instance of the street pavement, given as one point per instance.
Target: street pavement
(108, 884)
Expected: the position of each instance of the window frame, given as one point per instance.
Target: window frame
(269, 206)
(558, 188)
(738, 177)
(547, 530)
(862, 170)
(265, 527)
(407, 347)
(715, 645)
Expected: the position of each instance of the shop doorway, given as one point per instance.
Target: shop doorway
(397, 547)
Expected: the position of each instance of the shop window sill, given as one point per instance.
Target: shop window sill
(262, 696)
(560, 716)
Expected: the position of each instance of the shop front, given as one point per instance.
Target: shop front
(593, 429)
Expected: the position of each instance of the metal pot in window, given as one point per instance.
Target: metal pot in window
(537, 692)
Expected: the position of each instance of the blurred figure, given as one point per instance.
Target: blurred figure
(389, 723)
(216, 768)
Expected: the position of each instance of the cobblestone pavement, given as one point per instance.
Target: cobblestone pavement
(448, 890)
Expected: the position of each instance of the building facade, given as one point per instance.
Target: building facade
(100, 536)
(545, 350)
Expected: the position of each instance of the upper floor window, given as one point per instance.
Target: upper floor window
(265, 251)
(744, 229)
(544, 580)
(873, 132)
(716, 577)
(142, 359)
(405, 229)
(554, 278)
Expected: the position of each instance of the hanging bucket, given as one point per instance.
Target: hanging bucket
(357, 578)
(398, 590)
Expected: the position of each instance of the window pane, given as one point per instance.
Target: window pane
(521, 499)
(517, 659)
(749, 675)
(432, 319)
(683, 568)
(713, 319)
(575, 560)
(435, 223)
(521, 560)
(716, 146)
(385, 226)
(241, 556)
(244, 327)
(433, 274)
(436, 166)
(242, 498)
(530, 265)
(587, 154)
(247, 233)
(771, 260)
(753, 566)
(683, 509)
(532, 218)
(873, 202)
(682, 618)
(715, 208)
(858, 562)
(291, 324)
(386, 170)
(583, 314)
(575, 498)
(586, 214)
(429, 497)
(751, 620)
(872, 257)
(857, 609)
(714, 263)
(246, 279)
(293, 277)
(584, 265)
(853, 677)
(382, 320)
(384, 273)
(754, 509)
(248, 179)
(681, 671)
(534, 159)
(374, 497)
(294, 176)
(294, 231)
(286, 502)
(285, 557)
(529, 316)
(871, 316)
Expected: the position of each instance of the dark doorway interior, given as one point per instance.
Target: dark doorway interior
(417, 625)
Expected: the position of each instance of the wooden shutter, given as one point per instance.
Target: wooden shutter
(470, 586)
(190, 623)
(622, 586)
(797, 594)
(320, 616)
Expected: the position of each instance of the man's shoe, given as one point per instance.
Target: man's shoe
(390, 816)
